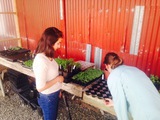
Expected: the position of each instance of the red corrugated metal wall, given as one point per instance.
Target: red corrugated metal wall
(107, 24)
(35, 16)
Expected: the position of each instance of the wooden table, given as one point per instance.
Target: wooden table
(72, 88)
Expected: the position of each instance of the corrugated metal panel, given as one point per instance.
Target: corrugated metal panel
(153, 31)
(9, 36)
(6, 44)
(106, 24)
(149, 38)
(35, 16)
(7, 21)
(88, 52)
(98, 57)
(8, 27)
(136, 30)
(76, 50)
(6, 6)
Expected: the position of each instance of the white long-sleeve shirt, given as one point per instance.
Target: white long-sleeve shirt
(45, 70)
(134, 93)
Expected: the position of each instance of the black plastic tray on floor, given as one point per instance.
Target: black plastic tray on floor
(34, 104)
(30, 97)
(18, 79)
(22, 89)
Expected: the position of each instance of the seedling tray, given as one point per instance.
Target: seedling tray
(68, 75)
(15, 55)
(86, 84)
(99, 90)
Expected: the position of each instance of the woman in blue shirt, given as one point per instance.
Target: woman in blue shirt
(134, 95)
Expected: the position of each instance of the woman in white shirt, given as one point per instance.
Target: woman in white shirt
(48, 81)
(134, 95)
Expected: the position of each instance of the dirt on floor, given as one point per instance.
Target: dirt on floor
(12, 107)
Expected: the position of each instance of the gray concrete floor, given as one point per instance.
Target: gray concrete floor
(12, 107)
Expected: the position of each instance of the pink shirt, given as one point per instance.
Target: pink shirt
(45, 70)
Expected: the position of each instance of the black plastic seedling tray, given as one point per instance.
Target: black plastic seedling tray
(99, 90)
(68, 75)
(15, 55)
(85, 84)
(30, 97)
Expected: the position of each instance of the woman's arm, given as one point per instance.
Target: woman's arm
(118, 95)
(40, 68)
(51, 83)
(106, 74)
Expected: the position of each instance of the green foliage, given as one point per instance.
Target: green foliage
(28, 63)
(76, 64)
(15, 48)
(154, 79)
(67, 63)
(87, 75)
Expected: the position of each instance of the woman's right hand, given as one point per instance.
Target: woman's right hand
(60, 79)
(109, 102)
(51, 83)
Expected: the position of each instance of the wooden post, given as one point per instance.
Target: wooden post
(16, 22)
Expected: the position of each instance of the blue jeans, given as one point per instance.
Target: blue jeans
(49, 105)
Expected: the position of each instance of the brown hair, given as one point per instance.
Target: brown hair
(113, 59)
(49, 37)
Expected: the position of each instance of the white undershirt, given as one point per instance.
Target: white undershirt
(45, 70)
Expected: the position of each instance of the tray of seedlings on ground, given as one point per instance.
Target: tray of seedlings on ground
(68, 68)
(86, 77)
(29, 96)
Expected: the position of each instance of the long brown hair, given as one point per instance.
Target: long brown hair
(49, 37)
(113, 59)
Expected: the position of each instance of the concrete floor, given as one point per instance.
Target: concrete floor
(12, 107)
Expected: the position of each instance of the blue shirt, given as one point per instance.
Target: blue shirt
(133, 94)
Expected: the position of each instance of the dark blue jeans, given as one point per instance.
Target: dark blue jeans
(49, 105)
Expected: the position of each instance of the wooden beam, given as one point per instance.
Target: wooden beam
(10, 39)
(7, 12)
(16, 22)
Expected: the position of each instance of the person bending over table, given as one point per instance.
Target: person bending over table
(134, 95)
(45, 68)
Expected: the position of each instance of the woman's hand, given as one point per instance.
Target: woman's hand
(60, 79)
(108, 102)
(51, 83)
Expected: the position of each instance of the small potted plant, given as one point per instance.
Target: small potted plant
(67, 68)
(156, 81)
